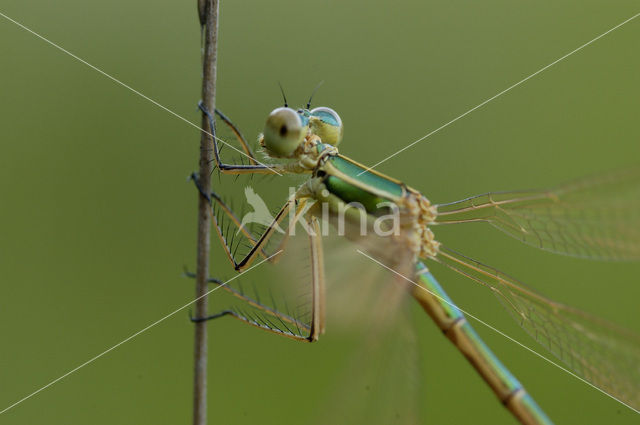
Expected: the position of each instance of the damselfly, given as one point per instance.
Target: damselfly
(597, 218)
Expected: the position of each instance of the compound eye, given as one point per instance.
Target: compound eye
(283, 132)
(326, 123)
(327, 115)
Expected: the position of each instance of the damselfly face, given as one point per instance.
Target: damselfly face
(286, 129)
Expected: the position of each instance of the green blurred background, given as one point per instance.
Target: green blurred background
(98, 218)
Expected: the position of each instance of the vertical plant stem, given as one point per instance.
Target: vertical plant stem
(208, 14)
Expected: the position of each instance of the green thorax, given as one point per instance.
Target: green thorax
(351, 182)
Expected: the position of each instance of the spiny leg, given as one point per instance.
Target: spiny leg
(299, 208)
(243, 142)
(254, 168)
(258, 244)
(214, 199)
(285, 327)
(258, 322)
(285, 324)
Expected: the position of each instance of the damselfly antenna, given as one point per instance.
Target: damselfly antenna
(283, 96)
(314, 93)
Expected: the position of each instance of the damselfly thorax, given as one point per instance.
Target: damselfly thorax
(347, 190)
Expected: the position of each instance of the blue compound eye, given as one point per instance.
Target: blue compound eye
(327, 115)
(326, 124)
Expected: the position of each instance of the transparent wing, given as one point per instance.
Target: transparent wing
(596, 350)
(597, 217)
(380, 380)
(379, 383)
